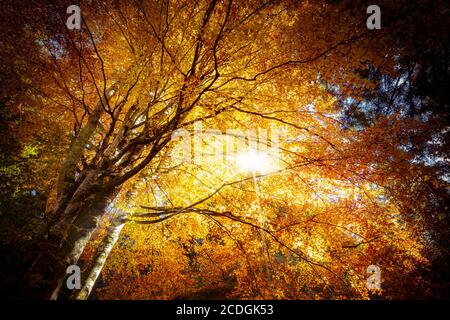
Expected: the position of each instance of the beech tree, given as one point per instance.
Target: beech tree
(305, 221)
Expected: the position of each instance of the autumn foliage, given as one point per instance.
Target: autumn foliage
(101, 139)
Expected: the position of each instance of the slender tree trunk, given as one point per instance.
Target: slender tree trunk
(102, 253)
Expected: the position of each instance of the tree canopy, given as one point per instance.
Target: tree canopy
(263, 149)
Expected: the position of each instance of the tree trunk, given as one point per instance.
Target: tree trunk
(78, 208)
(102, 253)
(79, 235)
(48, 272)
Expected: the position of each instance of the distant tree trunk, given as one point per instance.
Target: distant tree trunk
(102, 253)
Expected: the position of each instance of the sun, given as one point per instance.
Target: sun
(256, 162)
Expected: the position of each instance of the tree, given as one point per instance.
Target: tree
(138, 73)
